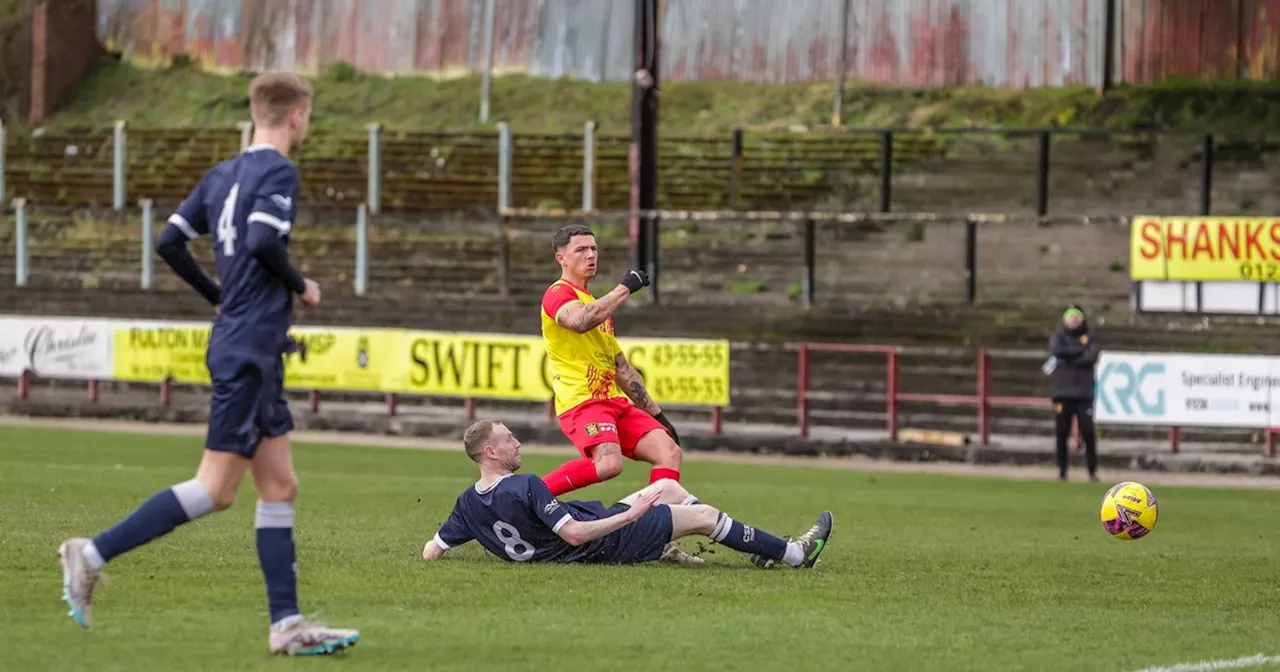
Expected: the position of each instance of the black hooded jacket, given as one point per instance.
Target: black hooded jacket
(1077, 356)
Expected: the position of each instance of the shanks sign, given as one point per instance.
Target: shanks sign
(55, 347)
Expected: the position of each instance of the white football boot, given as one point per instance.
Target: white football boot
(308, 638)
(78, 580)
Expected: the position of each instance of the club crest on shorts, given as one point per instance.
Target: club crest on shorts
(591, 429)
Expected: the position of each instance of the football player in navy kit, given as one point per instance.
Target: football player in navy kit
(246, 205)
(516, 518)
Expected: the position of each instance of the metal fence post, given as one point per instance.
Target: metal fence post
(589, 166)
(810, 262)
(652, 241)
(1206, 176)
(1042, 174)
(891, 395)
(802, 391)
(148, 257)
(504, 166)
(119, 168)
(374, 195)
(362, 249)
(984, 397)
(504, 257)
(20, 242)
(246, 134)
(886, 171)
(735, 168)
(970, 260)
(2, 166)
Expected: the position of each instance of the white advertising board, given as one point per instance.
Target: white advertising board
(1188, 390)
(56, 347)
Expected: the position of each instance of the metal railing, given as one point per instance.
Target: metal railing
(801, 170)
(983, 399)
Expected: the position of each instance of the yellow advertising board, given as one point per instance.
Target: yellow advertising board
(337, 358)
(1243, 249)
(342, 359)
(676, 371)
(685, 372)
(149, 352)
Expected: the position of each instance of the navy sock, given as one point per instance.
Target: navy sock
(155, 518)
(748, 539)
(278, 558)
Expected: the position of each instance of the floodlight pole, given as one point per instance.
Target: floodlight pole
(643, 157)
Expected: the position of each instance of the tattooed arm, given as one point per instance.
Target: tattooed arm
(632, 385)
(582, 317)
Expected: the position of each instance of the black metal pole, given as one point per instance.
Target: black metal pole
(644, 125)
(1042, 175)
(1109, 48)
(970, 261)
(735, 169)
(1206, 176)
(886, 171)
(810, 254)
(654, 228)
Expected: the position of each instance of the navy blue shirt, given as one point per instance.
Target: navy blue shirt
(240, 203)
(517, 519)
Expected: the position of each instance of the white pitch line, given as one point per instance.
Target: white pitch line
(1256, 660)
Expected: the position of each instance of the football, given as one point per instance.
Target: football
(1129, 511)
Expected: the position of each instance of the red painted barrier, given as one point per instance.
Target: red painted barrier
(468, 407)
(983, 400)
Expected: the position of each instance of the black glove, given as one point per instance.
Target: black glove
(634, 280)
(292, 346)
(671, 429)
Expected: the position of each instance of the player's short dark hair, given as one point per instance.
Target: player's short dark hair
(477, 437)
(273, 95)
(566, 233)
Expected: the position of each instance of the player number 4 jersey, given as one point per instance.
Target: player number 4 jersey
(584, 366)
(258, 188)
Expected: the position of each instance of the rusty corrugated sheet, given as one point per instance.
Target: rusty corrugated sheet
(991, 42)
(1200, 39)
(901, 42)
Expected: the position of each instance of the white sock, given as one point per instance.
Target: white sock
(690, 500)
(794, 555)
(92, 556)
(195, 501)
(286, 622)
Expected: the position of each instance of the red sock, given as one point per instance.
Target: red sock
(659, 473)
(572, 475)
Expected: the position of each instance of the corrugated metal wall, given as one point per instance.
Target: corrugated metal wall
(904, 42)
(1201, 39)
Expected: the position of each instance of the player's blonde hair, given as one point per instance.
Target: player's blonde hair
(273, 95)
(477, 437)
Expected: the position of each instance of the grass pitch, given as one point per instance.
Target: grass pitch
(923, 572)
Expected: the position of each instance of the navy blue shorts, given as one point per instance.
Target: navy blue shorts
(641, 541)
(248, 404)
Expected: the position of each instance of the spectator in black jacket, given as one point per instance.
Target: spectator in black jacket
(1072, 375)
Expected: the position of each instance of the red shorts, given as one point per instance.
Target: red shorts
(593, 422)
